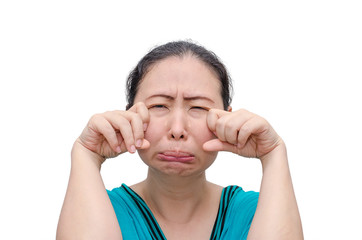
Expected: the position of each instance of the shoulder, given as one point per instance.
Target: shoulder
(237, 209)
(237, 203)
(240, 199)
(116, 192)
(242, 206)
(120, 196)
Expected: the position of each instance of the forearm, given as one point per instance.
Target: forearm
(87, 212)
(277, 215)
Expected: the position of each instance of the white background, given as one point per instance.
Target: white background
(296, 63)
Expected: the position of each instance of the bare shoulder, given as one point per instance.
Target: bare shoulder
(215, 191)
(214, 187)
(138, 188)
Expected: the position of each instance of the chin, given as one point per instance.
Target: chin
(168, 168)
(176, 169)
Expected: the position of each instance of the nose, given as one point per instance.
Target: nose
(178, 125)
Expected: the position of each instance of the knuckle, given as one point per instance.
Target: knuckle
(139, 135)
(229, 124)
(143, 112)
(231, 138)
(96, 118)
(212, 111)
(242, 110)
(109, 130)
(146, 116)
(114, 114)
(139, 104)
(128, 139)
(137, 107)
(134, 117)
(245, 130)
(123, 121)
(220, 123)
(118, 113)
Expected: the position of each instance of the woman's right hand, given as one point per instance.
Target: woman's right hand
(112, 133)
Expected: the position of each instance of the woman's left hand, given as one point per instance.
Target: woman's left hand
(241, 132)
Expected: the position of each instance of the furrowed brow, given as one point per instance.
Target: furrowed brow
(161, 95)
(199, 98)
(188, 98)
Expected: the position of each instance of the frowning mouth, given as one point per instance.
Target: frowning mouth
(173, 156)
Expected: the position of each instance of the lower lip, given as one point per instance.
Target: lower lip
(169, 158)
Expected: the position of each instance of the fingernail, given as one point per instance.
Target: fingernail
(139, 143)
(118, 149)
(145, 125)
(133, 149)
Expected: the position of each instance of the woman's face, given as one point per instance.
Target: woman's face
(179, 91)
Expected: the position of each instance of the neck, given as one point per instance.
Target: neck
(169, 196)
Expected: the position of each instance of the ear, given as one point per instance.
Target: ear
(229, 109)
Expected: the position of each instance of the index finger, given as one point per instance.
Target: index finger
(141, 109)
(212, 117)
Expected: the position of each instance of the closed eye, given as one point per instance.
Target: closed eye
(200, 108)
(158, 106)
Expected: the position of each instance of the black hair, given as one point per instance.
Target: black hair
(178, 48)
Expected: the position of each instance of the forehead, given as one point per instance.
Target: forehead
(185, 75)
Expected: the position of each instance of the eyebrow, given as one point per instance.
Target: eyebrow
(190, 98)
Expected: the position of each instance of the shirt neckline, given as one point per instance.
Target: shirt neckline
(155, 228)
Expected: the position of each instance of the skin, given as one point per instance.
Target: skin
(177, 126)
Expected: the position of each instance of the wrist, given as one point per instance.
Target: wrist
(277, 155)
(81, 154)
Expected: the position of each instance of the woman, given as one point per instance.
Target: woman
(178, 117)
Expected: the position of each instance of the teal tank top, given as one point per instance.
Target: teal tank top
(235, 214)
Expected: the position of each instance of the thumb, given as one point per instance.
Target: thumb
(145, 144)
(217, 145)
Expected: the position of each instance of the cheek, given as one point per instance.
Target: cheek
(155, 130)
(202, 132)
